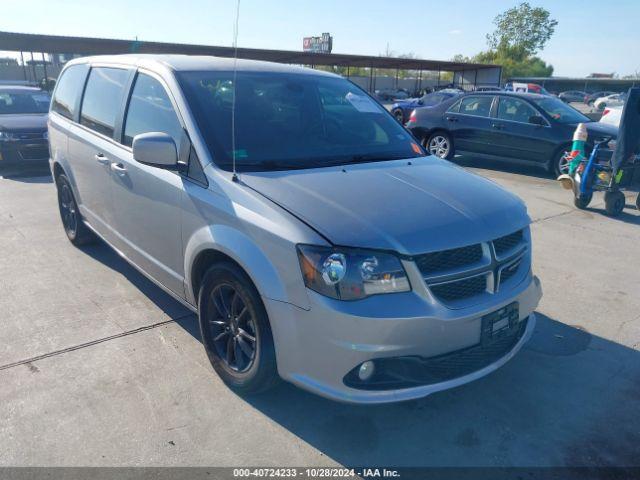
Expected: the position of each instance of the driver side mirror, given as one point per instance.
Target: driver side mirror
(420, 102)
(537, 120)
(156, 149)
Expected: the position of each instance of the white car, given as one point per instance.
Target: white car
(611, 116)
(614, 100)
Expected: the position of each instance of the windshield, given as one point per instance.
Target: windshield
(288, 120)
(12, 102)
(560, 111)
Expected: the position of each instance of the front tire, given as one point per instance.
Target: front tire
(235, 330)
(77, 232)
(440, 144)
(399, 115)
(582, 201)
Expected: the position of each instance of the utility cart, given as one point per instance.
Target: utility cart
(613, 165)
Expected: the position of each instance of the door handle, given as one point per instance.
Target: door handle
(100, 158)
(498, 126)
(452, 119)
(118, 168)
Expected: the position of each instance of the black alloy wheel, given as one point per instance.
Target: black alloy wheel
(235, 329)
(232, 327)
(74, 227)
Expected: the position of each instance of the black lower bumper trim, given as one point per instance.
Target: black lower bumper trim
(406, 372)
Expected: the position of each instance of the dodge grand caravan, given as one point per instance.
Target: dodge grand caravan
(309, 231)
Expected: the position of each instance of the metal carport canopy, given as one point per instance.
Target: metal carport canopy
(27, 42)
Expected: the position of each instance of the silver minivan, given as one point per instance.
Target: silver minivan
(313, 236)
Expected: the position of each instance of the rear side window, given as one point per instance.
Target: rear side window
(68, 90)
(454, 108)
(150, 110)
(476, 106)
(102, 99)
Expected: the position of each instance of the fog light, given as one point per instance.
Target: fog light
(366, 370)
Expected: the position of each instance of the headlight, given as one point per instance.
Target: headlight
(351, 273)
(6, 136)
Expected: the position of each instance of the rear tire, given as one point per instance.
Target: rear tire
(638, 202)
(235, 330)
(582, 201)
(614, 203)
(77, 232)
(440, 144)
(558, 164)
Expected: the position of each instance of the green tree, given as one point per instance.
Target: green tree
(522, 27)
(515, 62)
(520, 33)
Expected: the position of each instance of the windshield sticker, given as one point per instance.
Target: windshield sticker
(416, 148)
(362, 103)
(241, 153)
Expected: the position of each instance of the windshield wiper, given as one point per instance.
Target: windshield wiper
(265, 166)
(373, 157)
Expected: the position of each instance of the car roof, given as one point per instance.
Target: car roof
(527, 95)
(197, 63)
(19, 88)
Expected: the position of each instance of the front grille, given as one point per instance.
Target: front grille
(460, 289)
(509, 271)
(405, 372)
(30, 135)
(35, 153)
(459, 274)
(431, 263)
(504, 244)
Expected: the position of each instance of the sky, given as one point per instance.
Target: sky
(591, 36)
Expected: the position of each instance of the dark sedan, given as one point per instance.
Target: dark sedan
(23, 125)
(572, 96)
(402, 109)
(523, 128)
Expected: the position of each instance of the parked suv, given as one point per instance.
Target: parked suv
(303, 224)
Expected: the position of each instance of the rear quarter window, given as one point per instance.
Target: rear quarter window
(68, 90)
(476, 106)
(454, 108)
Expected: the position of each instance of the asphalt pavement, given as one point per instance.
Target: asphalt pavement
(99, 367)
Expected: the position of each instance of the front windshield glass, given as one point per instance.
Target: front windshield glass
(15, 102)
(285, 120)
(560, 111)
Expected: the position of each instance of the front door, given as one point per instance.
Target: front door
(146, 199)
(515, 134)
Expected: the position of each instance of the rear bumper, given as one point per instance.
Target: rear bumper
(317, 348)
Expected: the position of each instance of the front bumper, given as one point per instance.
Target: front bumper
(21, 152)
(317, 348)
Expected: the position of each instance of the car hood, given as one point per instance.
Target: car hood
(424, 206)
(26, 122)
(597, 129)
